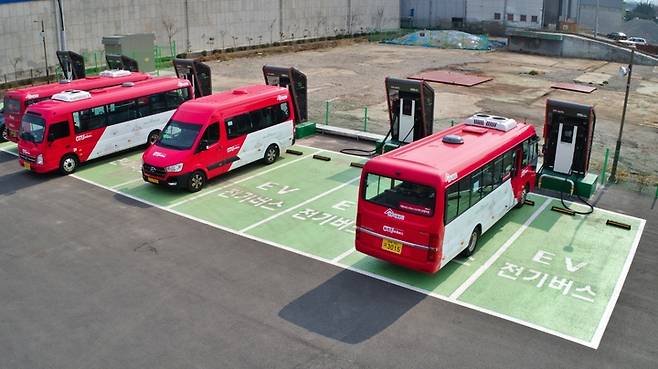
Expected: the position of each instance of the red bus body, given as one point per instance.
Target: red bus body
(17, 101)
(419, 204)
(99, 123)
(218, 133)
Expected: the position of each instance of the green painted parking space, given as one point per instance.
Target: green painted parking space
(243, 205)
(560, 274)
(453, 275)
(9, 147)
(549, 271)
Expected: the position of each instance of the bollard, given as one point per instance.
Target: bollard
(326, 112)
(605, 165)
(452, 123)
(365, 119)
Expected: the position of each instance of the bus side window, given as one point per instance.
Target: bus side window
(487, 179)
(238, 126)
(262, 118)
(89, 119)
(158, 103)
(143, 107)
(176, 97)
(497, 173)
(452, 203)
(120, 112)
(476, 187)
(58, 130)
(282, 112)
(526, 153)
(464, 194)
(508, 164)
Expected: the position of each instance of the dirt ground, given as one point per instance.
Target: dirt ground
(351, 77)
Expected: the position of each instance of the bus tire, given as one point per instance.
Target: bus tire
(472, 242)
(196, 181)
(68, 164)
(271, 154)
(523, 197)
(153, 137)
(3, 134)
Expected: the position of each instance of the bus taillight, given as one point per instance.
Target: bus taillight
(433, 247)
(358, 224)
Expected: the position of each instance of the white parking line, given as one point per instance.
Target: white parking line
(206, 193)
(459, 291)
(343, 255)
(127, 183)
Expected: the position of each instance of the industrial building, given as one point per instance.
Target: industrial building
(533, 14)
(191, 24)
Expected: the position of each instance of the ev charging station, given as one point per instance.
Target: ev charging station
(73, 64)
(295, 81)
(195, 72)
(568, 136)
(410, 110)
(121, 62)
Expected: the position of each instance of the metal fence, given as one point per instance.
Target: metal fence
(94, 64)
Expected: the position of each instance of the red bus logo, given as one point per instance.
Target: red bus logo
(394, 215)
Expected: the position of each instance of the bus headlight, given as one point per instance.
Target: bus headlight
(174, 168)
(40, 159)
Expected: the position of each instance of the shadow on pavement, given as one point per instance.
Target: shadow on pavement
(350, 310)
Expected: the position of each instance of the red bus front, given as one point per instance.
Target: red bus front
(399, 216)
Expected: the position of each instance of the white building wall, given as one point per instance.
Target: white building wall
(485, 10)
(212, 23)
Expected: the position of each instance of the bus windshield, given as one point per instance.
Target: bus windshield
(12, 106)
(400, 195)
(178, 135)
(32, 128)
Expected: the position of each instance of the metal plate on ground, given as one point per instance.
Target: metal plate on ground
(574, 87)
(451, 78)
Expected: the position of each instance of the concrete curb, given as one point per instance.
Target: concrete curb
(350, 133)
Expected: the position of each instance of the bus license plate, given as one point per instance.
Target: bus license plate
(153, 180)
(27, 165)
(392, 246)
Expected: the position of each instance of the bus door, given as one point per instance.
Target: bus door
(238, 149)
(89, 126)
(59, 138)
(210, 152)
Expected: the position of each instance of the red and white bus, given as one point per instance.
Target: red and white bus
(427, 202)
(76, 126)
(17, 101)
(212, 135)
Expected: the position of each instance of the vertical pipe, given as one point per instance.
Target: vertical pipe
(188, 46)
(62, 24)
(615, 160)
(326, 112)
(365, 119)
(596, 22)
(280, 20)
(605, 165)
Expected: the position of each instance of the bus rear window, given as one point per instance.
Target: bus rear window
(400, 195)
(12, 106)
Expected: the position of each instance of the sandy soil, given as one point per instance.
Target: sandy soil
(351, 77)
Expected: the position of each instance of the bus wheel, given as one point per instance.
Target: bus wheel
(3, 134)
(196, 182)
(68, 164)
(472, 243)
(524, 196)
(271, 154)
(153, 137)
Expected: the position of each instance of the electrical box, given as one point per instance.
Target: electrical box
(410, 109)
(73, 65)
(568, 136)
(197, 73)
(136, 46)
(295, 81)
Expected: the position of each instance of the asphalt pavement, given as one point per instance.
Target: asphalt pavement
(91, 279)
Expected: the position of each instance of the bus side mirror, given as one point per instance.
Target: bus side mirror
(203, 146)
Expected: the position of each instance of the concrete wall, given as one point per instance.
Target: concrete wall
(210, 24)
(433, 13)
(572, 46)
(610, 19)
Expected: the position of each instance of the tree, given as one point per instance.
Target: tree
(643, 11)
(170, 28)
